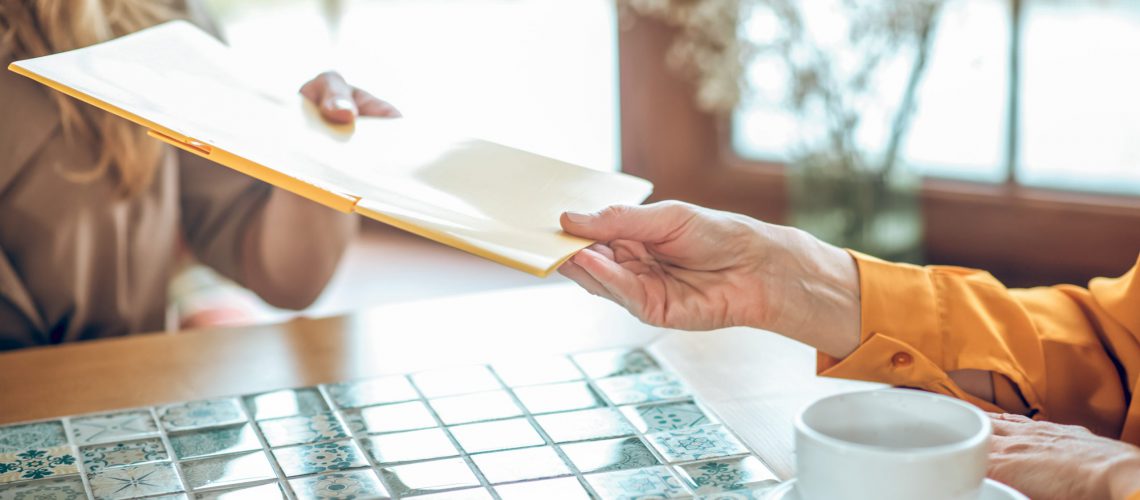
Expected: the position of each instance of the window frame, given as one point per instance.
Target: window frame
(1023, 235)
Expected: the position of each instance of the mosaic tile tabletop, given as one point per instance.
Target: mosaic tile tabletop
(610, 424)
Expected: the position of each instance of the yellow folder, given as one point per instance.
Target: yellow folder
(488, 199)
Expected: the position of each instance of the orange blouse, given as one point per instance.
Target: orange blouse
(1068, 354)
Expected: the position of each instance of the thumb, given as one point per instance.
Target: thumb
(652, 223)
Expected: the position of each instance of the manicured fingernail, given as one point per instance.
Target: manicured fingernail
(342, 103)
(578, 217)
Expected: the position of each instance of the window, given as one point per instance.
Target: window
(537, 74)
(1075, 112)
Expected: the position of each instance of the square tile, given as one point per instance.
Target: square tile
(357, 484)
(37, 464)
(652, 482)
(585, 424)
(668, 416)
(610, 454)
(286, 403)
(759, 492)
(697, 443)
(134, 481)
(558, 397)
(37, 436)
(195, 414)
(372, 391)
(101, 456)
(520, 465)
(59, 488)
(467, 494)
(537, 370)
(391, 418)
(215, 441)
(566, 488)
(108, 427)
(450, 382)
(496, 435)
(324, 457)
(410, 446)
(266, 491)
(427, 477)
(615, 362)
(475, 407)
(302, 429)
(643, 388)
(725, 475)
(227, 470)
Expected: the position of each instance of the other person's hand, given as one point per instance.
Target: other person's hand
(681, 266)
(1047, 461)
(341, 103)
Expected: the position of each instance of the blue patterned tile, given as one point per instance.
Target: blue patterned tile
(286, 403)
(652, 482)
(268, 491)
(668, 416)
(565, 488)
(40, 435)
(134, 481)
(428, 477)
(643, 388)
(99, 457)
(228, 470)
(410, 446)
(558, 397)
(390, 418)
(357, 484)
(727, 475)
(37, 464)
(615, 362)
(759, 492)
(195, 414)
(214, 441)
(476, 407)
(496, 435)
(586, 424)
(610, 454)
(302, 429)
(536, 371)
(324, 457)
(697, 443)
(454, 381)
(520, 465)
(373, 391)
(108, 427)
(62, 488)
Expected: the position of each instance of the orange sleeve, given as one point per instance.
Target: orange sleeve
(1069, 354)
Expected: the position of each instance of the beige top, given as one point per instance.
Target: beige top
(78, 263)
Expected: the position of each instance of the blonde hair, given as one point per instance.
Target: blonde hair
(32, 28)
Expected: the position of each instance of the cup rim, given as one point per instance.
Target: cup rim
(978, 438)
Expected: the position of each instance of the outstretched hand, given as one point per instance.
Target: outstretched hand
(341, 103)
(677, 265)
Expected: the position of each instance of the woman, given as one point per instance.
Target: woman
(92, 211)
(1063, 354)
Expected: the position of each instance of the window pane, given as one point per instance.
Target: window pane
(1080, 110)
(959, 129)
(536, 74)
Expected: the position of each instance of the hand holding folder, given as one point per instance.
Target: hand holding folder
(491, 200)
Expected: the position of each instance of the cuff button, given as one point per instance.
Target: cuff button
(902, 360)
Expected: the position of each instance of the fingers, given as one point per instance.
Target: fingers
(620, 283)
(370, 105)
(333, 96)
(583, 279)
(653, 223)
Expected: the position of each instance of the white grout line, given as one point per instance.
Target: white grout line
(82, 464)
(177, 466)
(342, 418)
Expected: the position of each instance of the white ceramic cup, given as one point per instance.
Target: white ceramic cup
(891, 444)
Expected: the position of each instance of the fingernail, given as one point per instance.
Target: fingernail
(577, 217)
(342, 103)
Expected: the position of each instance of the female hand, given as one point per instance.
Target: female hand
(1052, 461)
(681, 266)
(340, 102)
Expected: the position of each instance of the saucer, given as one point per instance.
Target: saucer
(991, 490)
